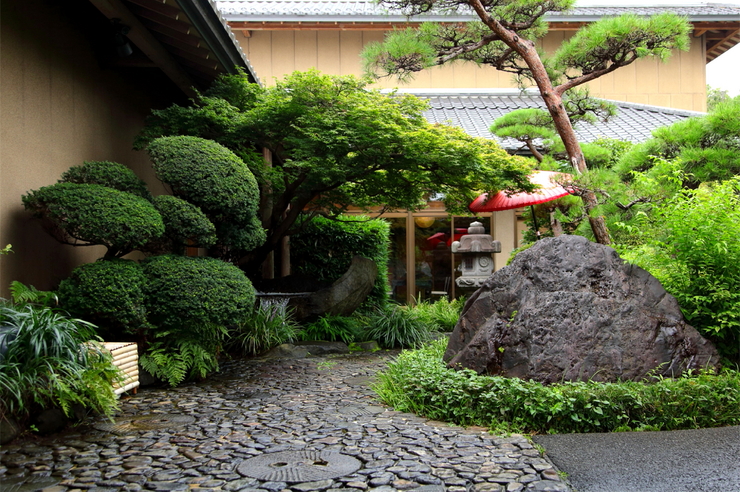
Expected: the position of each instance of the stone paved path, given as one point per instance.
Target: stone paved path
(314, 413)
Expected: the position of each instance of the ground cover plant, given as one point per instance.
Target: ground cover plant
(418, 381)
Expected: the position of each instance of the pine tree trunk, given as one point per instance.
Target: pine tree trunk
(554, 102)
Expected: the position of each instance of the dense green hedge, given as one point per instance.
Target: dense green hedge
(324, 250)
(418, 381)
(96, 214)
(108, 293)
(106, 173)
(185, 290)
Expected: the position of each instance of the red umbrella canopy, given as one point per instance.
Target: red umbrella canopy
(549, 190)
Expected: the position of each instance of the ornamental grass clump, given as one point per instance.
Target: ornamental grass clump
(419, 381)
(333, 329)
(48, 360)
(399, 327)
(268, 326)
(442, 314)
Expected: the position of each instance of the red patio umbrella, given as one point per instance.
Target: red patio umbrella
(549, 190)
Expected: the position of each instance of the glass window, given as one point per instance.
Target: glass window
(433, 258)
(397, 261)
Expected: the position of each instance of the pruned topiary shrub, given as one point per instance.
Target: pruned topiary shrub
(190, 301)
(106, 173)
(324, 249)
(88, 214)
(216, 180)
(182, 290)
(185, 225)
(109, 293)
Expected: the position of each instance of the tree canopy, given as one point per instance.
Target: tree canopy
(504, 37)
(335, 143)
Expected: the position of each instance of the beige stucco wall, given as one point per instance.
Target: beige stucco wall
(58, 108)
(680, 83)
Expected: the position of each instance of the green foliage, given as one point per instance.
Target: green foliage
(184, 225)
(21, 294)
(335, 143)
(324, 249)
(524, 125)
(188, 352)
(46, 365)
(333, 329)
(95, 214)
(110, 174)
(442, 315)
(715, 96)
(696, 256)
(214, 179)
(418, 381)
(109, 293)
(398, 326)
(707, 147)
(268, 326)
(622, 39)
(183, 291)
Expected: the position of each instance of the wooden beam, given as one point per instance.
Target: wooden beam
(699, 32)
(190, 38)
(719, 47)
(160, 7)
(147, 43)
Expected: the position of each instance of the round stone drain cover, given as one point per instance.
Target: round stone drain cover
(127, 425)
(299, 466)
(368, 410)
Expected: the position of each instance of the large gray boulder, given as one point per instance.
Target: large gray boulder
(569, 309)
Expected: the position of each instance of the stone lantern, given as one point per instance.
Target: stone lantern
(476, 248)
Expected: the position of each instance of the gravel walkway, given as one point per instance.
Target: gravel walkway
(275, 425)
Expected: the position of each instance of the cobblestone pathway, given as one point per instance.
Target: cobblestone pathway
(274, 425)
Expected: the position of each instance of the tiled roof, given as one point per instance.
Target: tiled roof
(475, 111)
(368, 10)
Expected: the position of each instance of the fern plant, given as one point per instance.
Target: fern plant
(28, 294)
(187, 354)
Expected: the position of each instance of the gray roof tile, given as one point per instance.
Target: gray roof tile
(368, 10)
(475, 112)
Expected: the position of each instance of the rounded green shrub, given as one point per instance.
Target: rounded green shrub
(216, 180)
(195, 291)
(106, 173)
(95, 214)
(109, 293)
(206, 174)
(184, 223)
